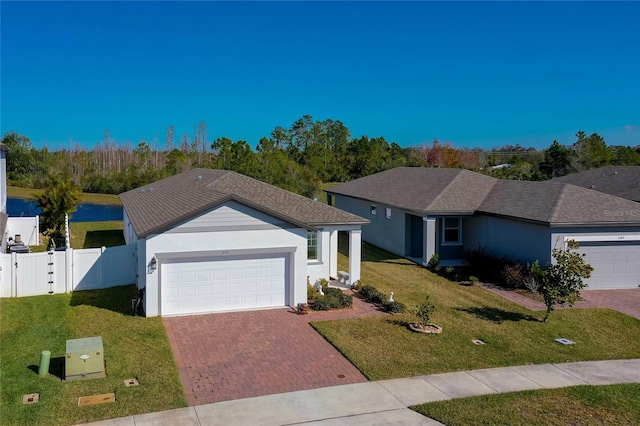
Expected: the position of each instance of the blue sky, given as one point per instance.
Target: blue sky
(477, 74)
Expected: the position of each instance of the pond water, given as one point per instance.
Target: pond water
(20, 207)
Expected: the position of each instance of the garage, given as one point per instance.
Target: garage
(203, 285)
(616, 264)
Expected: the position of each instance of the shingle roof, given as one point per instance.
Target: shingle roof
(167, 202)
(421, 189)
(557, 203)
(621, 181)
(450, 191)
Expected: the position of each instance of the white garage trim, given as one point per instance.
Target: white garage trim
(193, 285)
(585, 238)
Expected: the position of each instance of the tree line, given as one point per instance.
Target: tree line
(299, 158)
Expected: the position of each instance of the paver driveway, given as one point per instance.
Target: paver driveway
(236, 355)
(626, 301)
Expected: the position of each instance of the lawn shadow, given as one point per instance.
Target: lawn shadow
(497, 315)
(398, 322)
(107, 238)
(56, 367)
(117, 299)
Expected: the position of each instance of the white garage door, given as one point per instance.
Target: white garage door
(191, 286)
(616, 265)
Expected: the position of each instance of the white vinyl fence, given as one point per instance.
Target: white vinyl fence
(30, 274)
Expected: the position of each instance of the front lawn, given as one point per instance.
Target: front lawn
(134, 347)
(583, 405)
(383, 347)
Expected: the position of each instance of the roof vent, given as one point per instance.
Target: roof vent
(615, 173)
(142, 190)
(151, 189)
(199, 177)
(592, 186)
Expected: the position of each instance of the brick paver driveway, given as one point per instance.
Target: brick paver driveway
(244, 354)
(626, 301)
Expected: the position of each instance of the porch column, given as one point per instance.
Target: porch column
(428, 238)
(355, 254)
(333, 253)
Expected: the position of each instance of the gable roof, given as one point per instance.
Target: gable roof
(158, 206)
(621, 181)
(432, 191)
(421, 189)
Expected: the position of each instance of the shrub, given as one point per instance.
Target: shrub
(321, 304)
(346, 300)
(332, 291)
(312, 292)
(514, 275)
(449, 270)
(394, 307)
(425, 310)
(485, 265)
(324, 283)
(433, 261)
(371, 294)
(473, 279)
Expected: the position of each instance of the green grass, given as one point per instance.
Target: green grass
(90, 235)
(133, 347)
(108, 199)
(578, 405)
(383, 347)
(96, 234)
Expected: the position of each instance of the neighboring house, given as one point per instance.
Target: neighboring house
(23, 228)
(419, 212)
(215, 240)
(621, 181)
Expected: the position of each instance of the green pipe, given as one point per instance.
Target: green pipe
(45, 358)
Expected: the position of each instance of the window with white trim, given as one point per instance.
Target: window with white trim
(387, 213)
(451, 231)
(312, 245)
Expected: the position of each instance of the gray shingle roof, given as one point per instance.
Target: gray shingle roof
(421, 189)
(167, 202)
(621, 181)
(558, 204)
(432, 191)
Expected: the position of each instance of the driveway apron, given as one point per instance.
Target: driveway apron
(234, 355)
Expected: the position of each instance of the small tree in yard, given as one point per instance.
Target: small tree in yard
(560, 282)
(60, 196)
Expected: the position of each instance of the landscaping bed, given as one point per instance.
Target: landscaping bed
(134, 347)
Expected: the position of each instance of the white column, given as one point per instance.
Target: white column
(333, 254)
(428, 238)
(355, 254)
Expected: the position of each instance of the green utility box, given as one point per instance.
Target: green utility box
(84, 359)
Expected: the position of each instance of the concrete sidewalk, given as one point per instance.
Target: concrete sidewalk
(385, 402)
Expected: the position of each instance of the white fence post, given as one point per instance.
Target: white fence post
(68, 261)
(14, 275)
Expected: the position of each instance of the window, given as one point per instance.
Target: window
(372, 209)
(451, 231)
(312, 245)
(387, 213)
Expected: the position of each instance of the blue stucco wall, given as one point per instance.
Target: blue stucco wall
(388, 234)
(514, 239)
